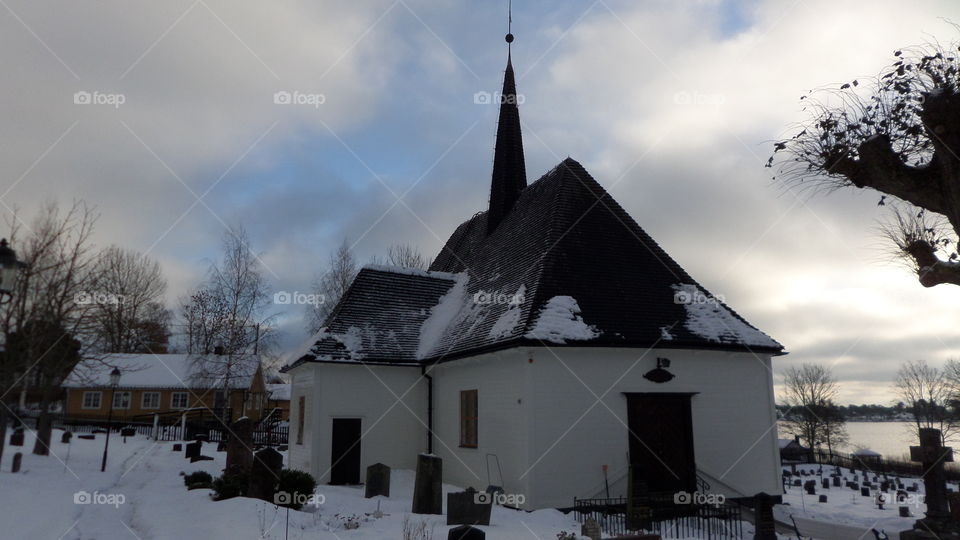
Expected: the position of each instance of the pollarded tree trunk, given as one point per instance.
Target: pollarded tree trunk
(44, 428)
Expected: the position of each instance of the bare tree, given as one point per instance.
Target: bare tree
(407, 256)
(226, 325)
(898, 134)
(126, 294)
(331, 285)
(929, 395)
(48, 316)
(810, 391)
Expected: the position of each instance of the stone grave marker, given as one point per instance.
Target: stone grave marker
(469, 507)
(65, 438)
(264, 474)
(86, 437)
(864, 492)
(825, 483)
(797, 482)
(466, 532)
(765, 523)
(16, 438)
(378, 481)
(823, 498)
(590, 529)
(239, 455)
(177, 447)
(810, 487)
(427, 493)
(932, 454)
(836, 481)
(905, 511)
(17, 460)
(193, 450)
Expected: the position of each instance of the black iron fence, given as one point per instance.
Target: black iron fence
(872, 464)
(662, 515)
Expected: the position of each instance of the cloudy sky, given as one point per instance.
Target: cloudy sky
(670, 105)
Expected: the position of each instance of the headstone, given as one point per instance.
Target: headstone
(854, 486)
(378, 481)
(427, 493)
(823, 498)
(953, 501)
(239, 453)
(264, 474)
(810, 487)
(864, 492)
(86, 437)
(765, 526)
(469, 507)
(222, 446)
(17, 459)
(905, 511)
(16, 438)
(797, 482)
(932, 454)
(590, 529)
(128, 432)
(885, 486)
(836, 481)
(200, 458)
(466, 532)
(65, 438)
(825, 483)
(177, 447)
(193, 450)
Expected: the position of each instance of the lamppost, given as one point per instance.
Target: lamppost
(114, 382)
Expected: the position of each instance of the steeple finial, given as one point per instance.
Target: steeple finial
(509, 170)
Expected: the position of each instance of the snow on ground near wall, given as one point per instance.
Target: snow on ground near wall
(560, 320)
(38, 503)
(708, 318)
(846, 507)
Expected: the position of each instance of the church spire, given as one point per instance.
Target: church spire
(509, 171)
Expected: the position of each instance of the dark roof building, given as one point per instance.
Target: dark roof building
(558, 263)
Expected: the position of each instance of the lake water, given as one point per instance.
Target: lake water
(892, 439)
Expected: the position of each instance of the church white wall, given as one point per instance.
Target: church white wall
(299, 456)
(502, 382)
(389, 400)
(574, 431)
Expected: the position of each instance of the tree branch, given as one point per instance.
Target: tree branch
(931, 269)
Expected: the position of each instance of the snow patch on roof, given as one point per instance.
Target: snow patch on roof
(510, 318)
(441, 315)
(665, 333)
(560, 320)
(279, 392)
(709, 319)
(410, 271)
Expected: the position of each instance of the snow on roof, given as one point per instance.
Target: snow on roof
(708, 318)
(279, 392)
(410, 271)
(560, 320)
(441, 315)
(785, 442)
(866, 452)
(149, 371)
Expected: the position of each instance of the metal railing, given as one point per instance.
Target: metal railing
(660, 514)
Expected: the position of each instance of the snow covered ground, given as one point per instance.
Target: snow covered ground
(142, 495)
(848, 508)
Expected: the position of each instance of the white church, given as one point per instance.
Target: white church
(552, 349)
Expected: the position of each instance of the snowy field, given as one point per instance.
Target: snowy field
(847, 508)
(142, 495)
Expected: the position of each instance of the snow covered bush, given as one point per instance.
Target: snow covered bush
(198, 480)
(232, 484)
(300, 485)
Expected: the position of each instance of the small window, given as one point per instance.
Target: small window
(301, 409)
(178, 400)
(91, 400)
(121, 400)
(150, 400)
(468, 418)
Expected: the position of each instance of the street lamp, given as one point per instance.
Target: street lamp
(9, 267)
(114, 382)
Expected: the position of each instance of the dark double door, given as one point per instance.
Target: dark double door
(661, 443)
(345, 451)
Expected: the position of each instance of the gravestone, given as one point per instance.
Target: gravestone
(932, 454)
(864, 492)
(16, 438)
(177, 447)
(193, 450)
(264, 474)
(836, 481)
(591, 529)
(765, 526)
(378, 481)
(885, 486)
(65, 438)
(823, 498)
(810, 487)
(797, 482)
(17, 459)
(86, 437)
(239, 454)
(825, 483)
(469, 507)
(128, 432)
(466, 532)
(905, 511)
(427, 493)
(854, 486)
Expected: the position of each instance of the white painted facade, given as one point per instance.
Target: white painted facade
(552, 417)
